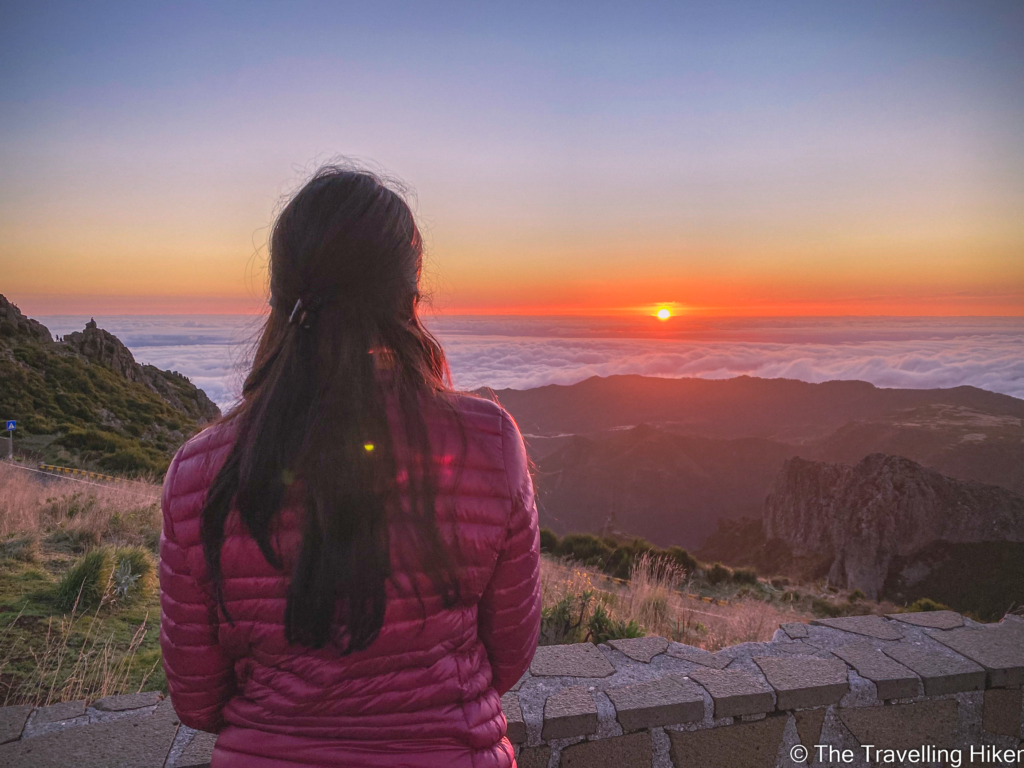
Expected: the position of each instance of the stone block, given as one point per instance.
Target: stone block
(795, 629)
(871, 626)
(665, 701)
(570, 712)
(132, 742)
(514, 717)
(735, 692)
(931, 619)
(534, 757)
(805, 682)
(128, 701)
(808, 726)
(697, 656)
(1002, 711)
(198, 752)
(632, 751)
(54, 713)
(940, 673)
(892, 679)
(751, 745)
(12, 722)
(640, 648)
(577, 660)
(903, 726)
(999, 649)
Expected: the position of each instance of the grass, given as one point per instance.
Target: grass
(660, 599)
(62, 639)
(77, 623)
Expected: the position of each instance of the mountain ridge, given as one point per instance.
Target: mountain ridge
(86, 401)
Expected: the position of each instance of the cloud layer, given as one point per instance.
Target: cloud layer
(528, 352)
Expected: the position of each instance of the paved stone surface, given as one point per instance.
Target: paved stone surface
(641, 648)
(514, 717)
(570, 712)
(808, 726)
(1002, 711)
(697, 656)
(735, 692)
(751, 745)
(872, 626)
(999, 649)
(12, 722)
(939, 672)
(577, 660)
(632, 751)
(57, 712)
(891, 679)
(128, 701)
(197, 753)
(931, 619)
(534, 757)
(805, 682)
(132, 742)
(903, 726)
(795, 629)
(661, 702)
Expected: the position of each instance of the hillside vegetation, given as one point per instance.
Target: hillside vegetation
(86, 402)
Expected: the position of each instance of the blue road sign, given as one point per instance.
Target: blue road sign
(11, 425)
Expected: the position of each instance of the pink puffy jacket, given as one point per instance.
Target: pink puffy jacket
(427, 690)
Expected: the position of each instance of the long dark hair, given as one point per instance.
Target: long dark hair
(342, 349)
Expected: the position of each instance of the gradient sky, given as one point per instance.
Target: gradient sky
(748, 158)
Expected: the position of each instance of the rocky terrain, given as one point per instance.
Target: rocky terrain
(671, 459)
(85, 400)
(865, 516)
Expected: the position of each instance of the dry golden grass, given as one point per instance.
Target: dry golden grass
(48, 655)
(88, 511)
(657, 599)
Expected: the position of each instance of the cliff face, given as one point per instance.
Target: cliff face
(885, 507)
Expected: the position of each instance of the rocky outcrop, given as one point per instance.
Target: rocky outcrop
(100, 346)
(883, 508)
(13, 323)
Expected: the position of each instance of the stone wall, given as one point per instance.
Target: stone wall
(910, 681)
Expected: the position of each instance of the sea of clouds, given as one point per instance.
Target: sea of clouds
(522, 352)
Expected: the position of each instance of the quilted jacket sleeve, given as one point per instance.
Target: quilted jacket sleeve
(200, 676)
(509, 615)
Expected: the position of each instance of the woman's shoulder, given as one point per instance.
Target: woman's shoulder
(197, 461)
(482, 414)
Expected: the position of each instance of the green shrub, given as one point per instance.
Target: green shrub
(744, 576)
(780, 582)
(135, 574)
(683, 559)
(857, 595)
(548, 540)
(560, 624)
(923, 604)
(584, 549)
(24, 549)
(826, 608)
(117, 575)
(86, 581)
(601, 627)
(717, 574)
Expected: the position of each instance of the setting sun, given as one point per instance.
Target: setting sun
(664, 314)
